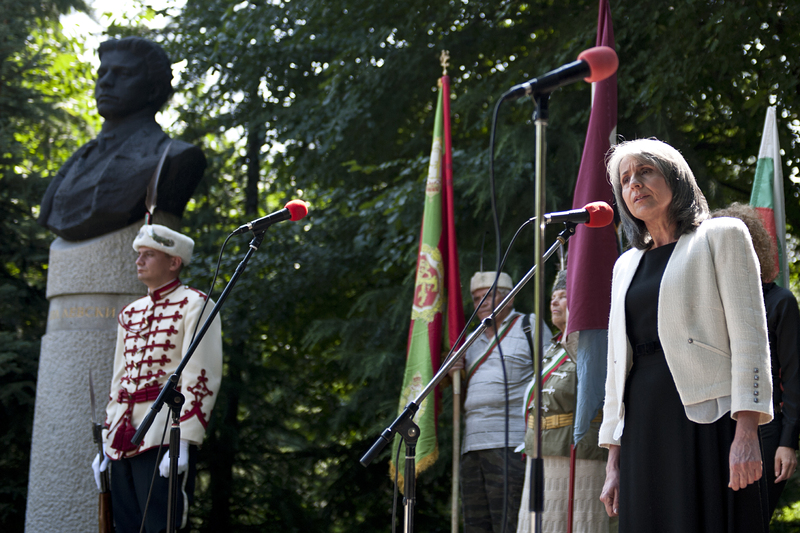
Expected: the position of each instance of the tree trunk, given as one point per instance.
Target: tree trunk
(255, 140)
(222, 449)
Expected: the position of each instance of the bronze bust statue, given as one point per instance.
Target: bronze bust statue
(102, 186)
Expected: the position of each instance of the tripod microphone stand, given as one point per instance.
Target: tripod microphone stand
(540, 117)
(404, 424)
(174, 399)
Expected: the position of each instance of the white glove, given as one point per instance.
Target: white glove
(183, 460)
(99, 467)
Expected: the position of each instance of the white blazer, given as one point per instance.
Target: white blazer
(711, 324)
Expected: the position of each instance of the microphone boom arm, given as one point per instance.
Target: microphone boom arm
(172, 382)
(413, 406)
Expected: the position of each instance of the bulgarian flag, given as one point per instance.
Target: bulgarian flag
(593, 251)
(437, 291)
(767, 194)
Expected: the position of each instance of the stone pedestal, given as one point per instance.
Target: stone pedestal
(88, 283)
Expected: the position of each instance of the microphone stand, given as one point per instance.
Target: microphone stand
(540, 117)
(404, 424)
(169, 394)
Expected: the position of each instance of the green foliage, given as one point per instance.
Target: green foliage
(787, 515)
(345, 90)
(340, 94)
(43, 96)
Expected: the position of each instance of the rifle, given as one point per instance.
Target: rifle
(105, 517)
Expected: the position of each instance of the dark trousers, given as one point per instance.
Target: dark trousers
(770, 440)
(482, 490)
(130, 484)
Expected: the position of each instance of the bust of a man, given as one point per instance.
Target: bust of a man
(102, 187)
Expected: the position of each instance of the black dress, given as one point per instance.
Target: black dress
(673, 472)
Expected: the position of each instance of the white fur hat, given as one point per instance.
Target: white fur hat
(166, 240)
(484, 280)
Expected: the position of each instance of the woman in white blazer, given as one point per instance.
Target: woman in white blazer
(688, 378)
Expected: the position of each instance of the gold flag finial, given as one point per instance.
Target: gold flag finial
(444, 59)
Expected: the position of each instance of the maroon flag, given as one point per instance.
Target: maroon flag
(593, 251)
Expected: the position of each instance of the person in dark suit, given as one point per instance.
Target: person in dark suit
(103, 186)
(779, 438)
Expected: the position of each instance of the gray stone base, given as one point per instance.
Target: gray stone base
(62, 495)
(88, 283)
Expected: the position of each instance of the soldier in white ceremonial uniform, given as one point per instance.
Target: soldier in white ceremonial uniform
(154, 333)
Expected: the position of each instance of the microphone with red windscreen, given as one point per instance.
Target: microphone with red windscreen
(594, 64)
(594, 215)
(298, 209)
(294, 210)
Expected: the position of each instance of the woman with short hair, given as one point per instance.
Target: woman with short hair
(688, 377)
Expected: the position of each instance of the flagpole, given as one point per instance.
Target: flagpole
(456, 449)
(571, 507)
(444, 82)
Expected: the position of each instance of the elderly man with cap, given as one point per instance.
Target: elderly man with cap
(154, 333)
(485, 445)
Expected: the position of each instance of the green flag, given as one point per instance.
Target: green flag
(437, 292)
(767, 195)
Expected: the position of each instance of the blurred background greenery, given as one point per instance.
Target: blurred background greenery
(332, 101)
